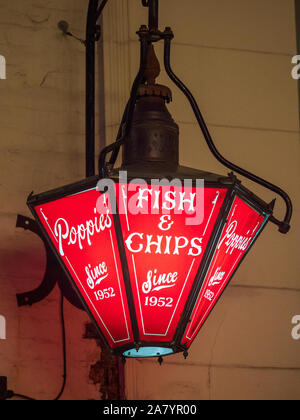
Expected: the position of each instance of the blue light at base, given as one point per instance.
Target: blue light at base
(148, 352)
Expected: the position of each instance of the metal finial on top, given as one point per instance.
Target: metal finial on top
(152, 71)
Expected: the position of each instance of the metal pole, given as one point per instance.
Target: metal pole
(90, 87)
(128, 114)
(153, 14)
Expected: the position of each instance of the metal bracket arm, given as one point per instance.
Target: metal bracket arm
(147, 36)
(49, 281)
(53, 274)
(284, 226)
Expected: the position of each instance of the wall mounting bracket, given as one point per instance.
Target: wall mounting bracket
(54, 274)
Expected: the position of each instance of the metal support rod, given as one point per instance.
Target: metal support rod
(92, 36)
(125, 127)
(104, 152)
(153, 25)
(153, 13)
(137, 82)
(146, 38)
(100, 9)
(284, 225)
(115, 152)
(90, 88)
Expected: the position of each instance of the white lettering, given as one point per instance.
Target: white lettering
(141, 197)
(184, 242)
(194, 245)
(209, 295)
(165, 223)
(129, 241)
(58, 232)
(151, 243)
(187, 200)
(96, 275)
(234, 241)
(169, 200)
(160, 244)
(127, 411)
(156, 282)
(216, 278)
(84, 231)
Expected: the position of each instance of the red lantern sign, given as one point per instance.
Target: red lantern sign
(242, 226)
(149, 261)
(86, 244)
(164, 252)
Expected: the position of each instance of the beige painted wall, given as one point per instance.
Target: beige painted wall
(235, 55)
(41, 147)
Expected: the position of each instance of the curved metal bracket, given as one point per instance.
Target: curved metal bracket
(53, 274)
(153, 35)
(284, 226)
(100, 9)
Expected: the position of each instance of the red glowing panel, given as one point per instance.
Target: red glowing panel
(165, 231)
(86, 243)
(243, 225)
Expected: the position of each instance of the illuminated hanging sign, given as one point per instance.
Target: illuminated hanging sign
(164, 252)
(86, 244)
(242, 226)
(149, 261)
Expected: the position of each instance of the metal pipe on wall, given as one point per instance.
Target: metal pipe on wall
(90, 88)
